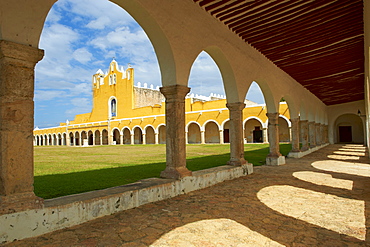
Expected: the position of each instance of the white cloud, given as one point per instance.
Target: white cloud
(82, 55)
(99, 23)
(44, 95)
(80, 106)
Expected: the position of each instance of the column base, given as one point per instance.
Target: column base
(236, 162)
(175, 173)
(20, 202)
(275, 160)
(295, 154)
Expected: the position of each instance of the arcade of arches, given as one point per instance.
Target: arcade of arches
(312, 123)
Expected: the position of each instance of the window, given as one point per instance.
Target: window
(113, 108)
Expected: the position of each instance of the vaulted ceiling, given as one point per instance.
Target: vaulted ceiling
(320, 43)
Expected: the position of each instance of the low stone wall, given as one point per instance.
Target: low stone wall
(304, 153)
(72, 210)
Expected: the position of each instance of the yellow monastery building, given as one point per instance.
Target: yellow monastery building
(123, 113)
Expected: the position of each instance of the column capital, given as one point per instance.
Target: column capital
(175, 92)
(28, 54)
(273, 117)
(235, 106)
(303, 121)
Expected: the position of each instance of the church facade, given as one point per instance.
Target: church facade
(124, 113)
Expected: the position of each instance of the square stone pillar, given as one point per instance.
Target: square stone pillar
(295, 134)
(304, 135)
(175, 132)
(17, 63)
(274, 157)
(144, 138)
(236, 134)
(221, 136)
(202, 137)
(312, 134)
(318, 134)
(132, 139)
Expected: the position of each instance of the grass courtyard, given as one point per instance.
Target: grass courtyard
(61, 171)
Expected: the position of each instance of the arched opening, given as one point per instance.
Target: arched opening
(226, 132)
(41, 141)
(97, 138)
(194, 136)
(55, 141)
(71, 139)
(37, 141)
(205, 79)
(253, 131)
(104, 138)
(112, 107)
(64, 139)
(162, 134)
(348, 128)
(212, 133)
(77, 139)
(59, 140)
(138, 136)
(126, 136)
(284, 130)
(116, 137)
(50, 140)
(90, 138)
(84, 141)
(150, 135)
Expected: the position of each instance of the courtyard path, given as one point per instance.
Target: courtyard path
(320, 200)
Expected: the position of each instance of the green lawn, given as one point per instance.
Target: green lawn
(63, 171)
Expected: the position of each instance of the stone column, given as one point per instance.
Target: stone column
(236, 134)
(295, 134)
(93, 139)
(17, 63)
(202, 137)
(175, 132)
(326, 133)
(304, 135)
(312, 134)
(264, 135)
(156, 138)
(322, 133)
(274, 157)
(144, 138)
(132, 139)
(318, 134)
(101, 138)
(221, 136)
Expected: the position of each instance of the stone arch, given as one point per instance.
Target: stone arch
(71, 139)
(126, 135)
(46, 140)
(116, 136)
(149, 135)
(37, 140)
(59, 142)
(226, 130)
(105, 137)
(77, 139)
(284, 129)
(55, 140)
(253, 130)
(292, 107)
(348, 128)
(211, 132)
(50, 140)
(64, 143)
(161, 129)
(138, 135)
(84, 140)
(271, 103)
(194, 135)
(41, 140)
(90, 138)
(97, 137)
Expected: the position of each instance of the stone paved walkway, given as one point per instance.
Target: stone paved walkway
(320, 200)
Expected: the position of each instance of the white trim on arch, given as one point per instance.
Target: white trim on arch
(224, 122)
(157, 129)
(147, 126)
(286, 119)
(187, 126)
(110, 107)
(112, 131)
(264, 125)
(132, 132)
(213, 121)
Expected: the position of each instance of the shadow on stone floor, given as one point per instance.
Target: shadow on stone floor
(312, 201)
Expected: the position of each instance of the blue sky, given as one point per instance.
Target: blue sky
(80, 37)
